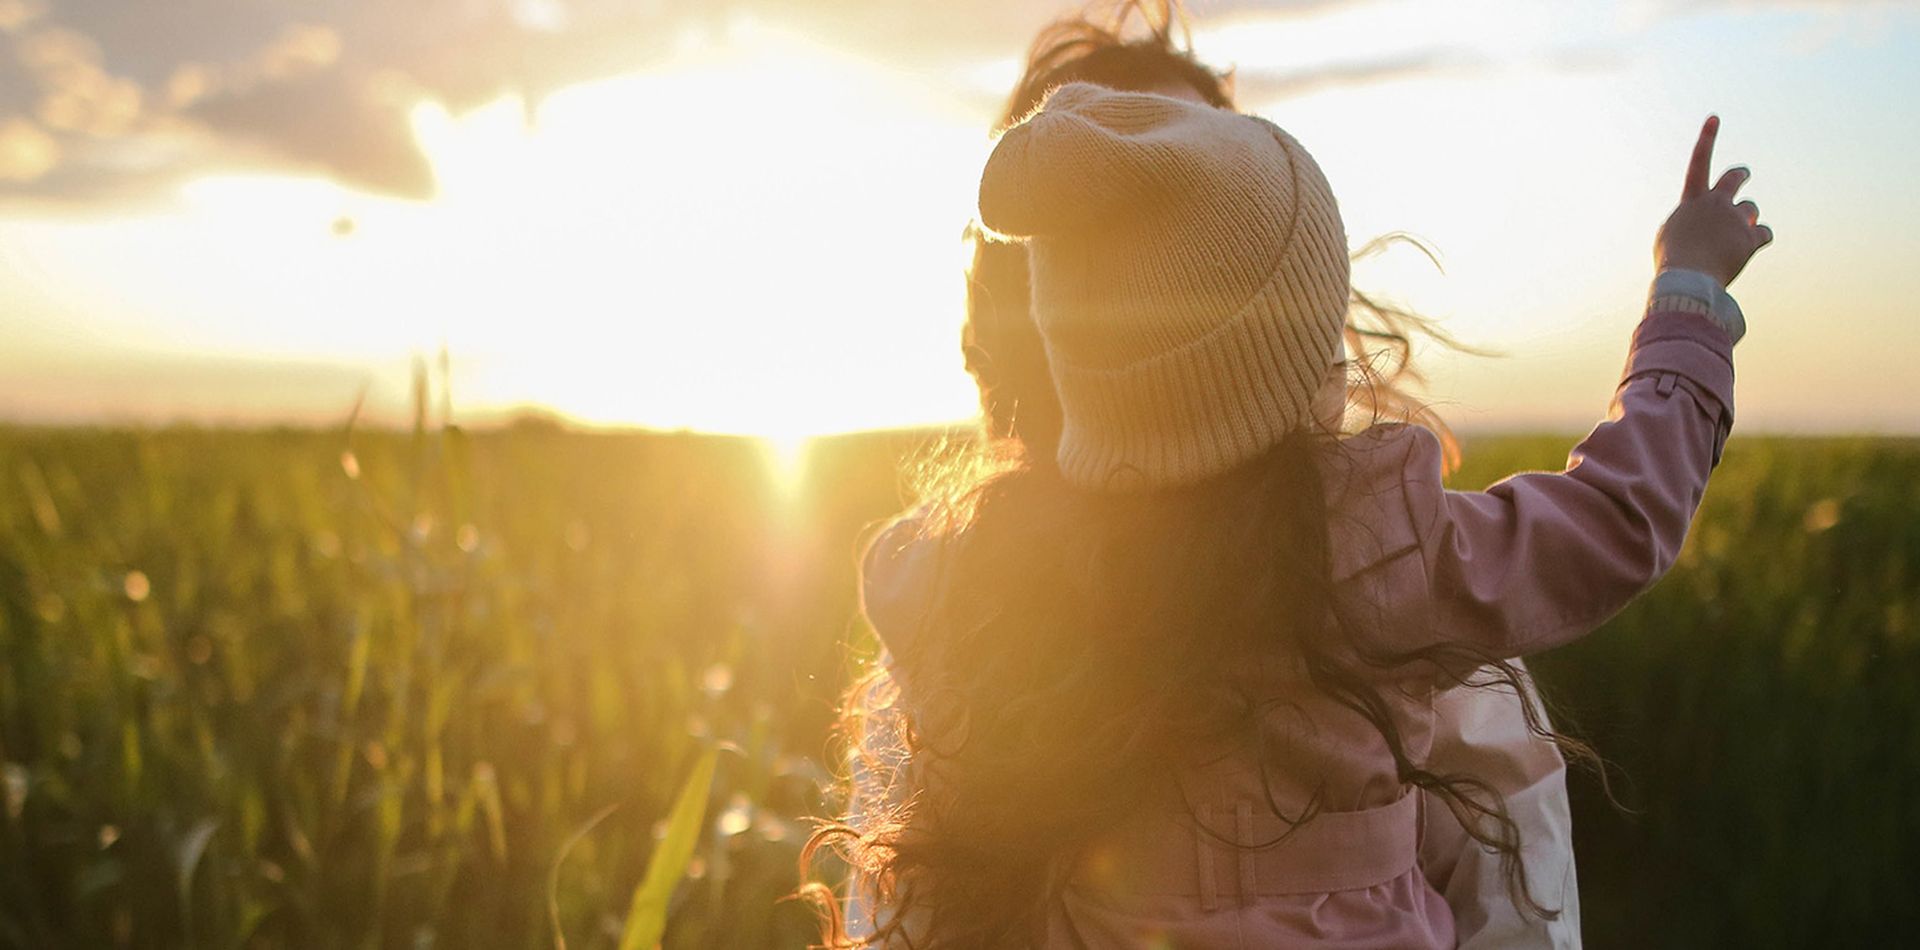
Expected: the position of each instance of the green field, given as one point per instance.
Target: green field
(270, 689)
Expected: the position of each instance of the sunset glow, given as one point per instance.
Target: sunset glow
(493, 474)
(757, 230)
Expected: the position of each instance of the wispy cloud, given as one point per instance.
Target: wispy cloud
(100, 103)
(1266, 83)
(103, 102)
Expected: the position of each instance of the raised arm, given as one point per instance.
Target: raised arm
(1539, 559)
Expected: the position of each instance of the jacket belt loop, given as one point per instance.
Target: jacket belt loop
(1244, 842)
(1209, 887)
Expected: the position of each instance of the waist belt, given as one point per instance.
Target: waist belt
(1244, 851)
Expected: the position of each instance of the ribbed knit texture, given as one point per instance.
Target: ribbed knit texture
(1189, 279)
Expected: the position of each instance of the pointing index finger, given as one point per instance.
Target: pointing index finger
(1702, 161)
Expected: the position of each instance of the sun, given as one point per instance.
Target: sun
(756, 237)
(786, 458)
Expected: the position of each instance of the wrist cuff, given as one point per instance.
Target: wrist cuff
(1691, 291)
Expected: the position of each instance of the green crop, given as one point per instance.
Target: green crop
(438, 688)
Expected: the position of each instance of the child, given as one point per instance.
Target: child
(1177, 690)
(1481, 732)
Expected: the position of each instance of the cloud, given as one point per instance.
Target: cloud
(103, 102)
(352, 125)
(27, 152)
(15, 14)
(79, 132)
(76, 94)
(294, 103)
(1260, 84)
(1684, 5)
(299, 49)
(109, 101)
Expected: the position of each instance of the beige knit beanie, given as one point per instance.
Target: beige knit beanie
(1189, 279)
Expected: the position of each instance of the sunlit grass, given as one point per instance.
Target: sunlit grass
(305, 689)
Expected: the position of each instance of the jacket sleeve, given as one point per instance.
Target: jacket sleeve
(1540, 559)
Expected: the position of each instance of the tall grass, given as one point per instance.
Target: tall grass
(1762, 703)
(433, 688)
(410, 689)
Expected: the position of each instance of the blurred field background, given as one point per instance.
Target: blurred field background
(322, 688)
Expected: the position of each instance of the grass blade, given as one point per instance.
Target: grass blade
(186, 860)
(553, 872)
(647, 915)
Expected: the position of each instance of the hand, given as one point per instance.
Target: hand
(1708, 232)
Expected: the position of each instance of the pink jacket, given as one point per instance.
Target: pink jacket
(1531, 563)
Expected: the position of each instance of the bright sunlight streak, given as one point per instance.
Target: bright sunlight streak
(786, 461)
(786, 211)
(758, 202)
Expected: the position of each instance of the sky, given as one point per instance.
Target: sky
(746, 216)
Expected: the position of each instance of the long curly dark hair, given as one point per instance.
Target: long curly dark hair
(1081, 647)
